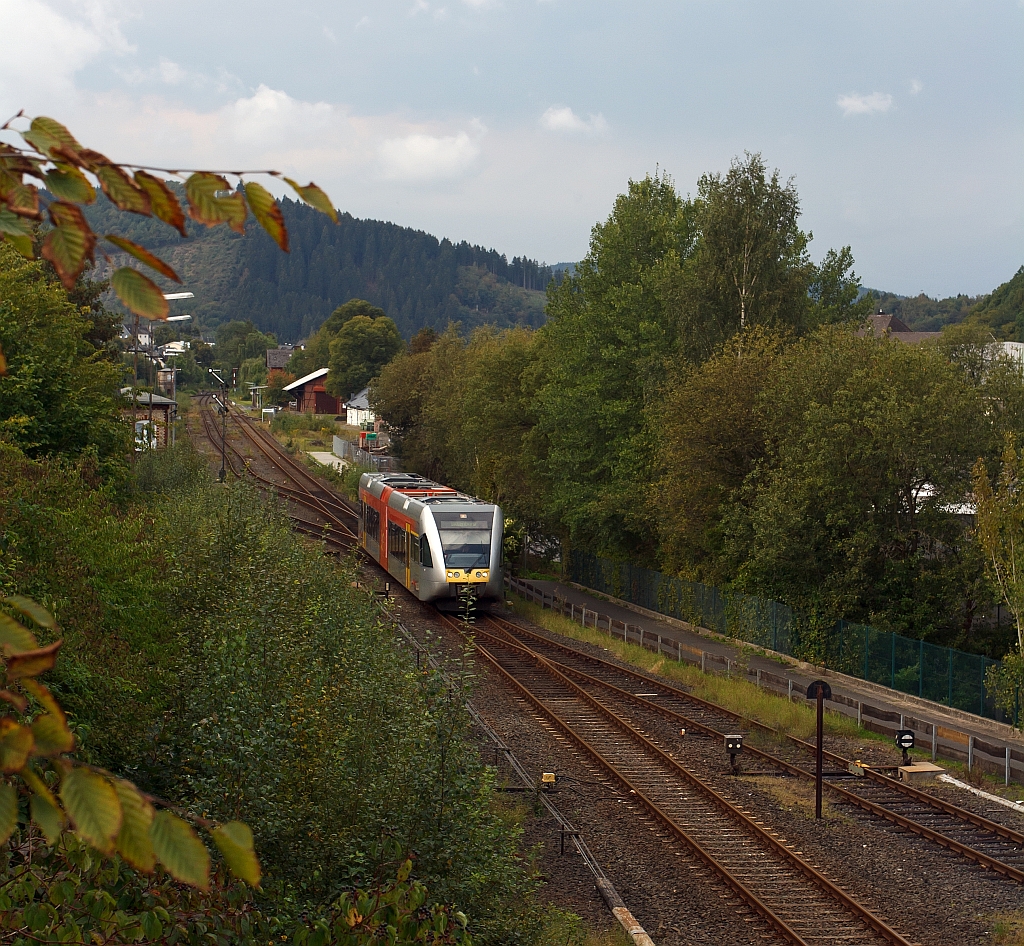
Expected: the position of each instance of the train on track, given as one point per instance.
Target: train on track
(439, 543)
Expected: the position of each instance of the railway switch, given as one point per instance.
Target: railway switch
(905, 742)
(734, 745)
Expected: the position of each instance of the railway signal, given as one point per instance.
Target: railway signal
(819, 691)
(734, 746)
(905, 741)
(223, 474)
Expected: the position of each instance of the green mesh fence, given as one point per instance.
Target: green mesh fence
(941, 674)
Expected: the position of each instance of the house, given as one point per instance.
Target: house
(277, 359)
(358, 411)
(311, 396)
(889, 326)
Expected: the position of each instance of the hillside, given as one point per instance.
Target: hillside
(416, 278)
(1002, 310)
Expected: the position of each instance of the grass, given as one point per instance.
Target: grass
(1008, 929)
(567, 929)
(736, 695)
(796, 795)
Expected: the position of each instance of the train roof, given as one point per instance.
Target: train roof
(419, 488)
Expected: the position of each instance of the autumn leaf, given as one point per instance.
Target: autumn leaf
(43, 806)
(315, 197)
(46, 134)
(162, 201)
(70, 244)
(31, 663)
(267, 213)
(68, 183)
(142, 255)
(206, 206)
(139, 293)
(122, 190)
(15, 745)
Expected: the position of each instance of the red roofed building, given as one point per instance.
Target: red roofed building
(311, 395)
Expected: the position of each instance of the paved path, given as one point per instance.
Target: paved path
(889, 701)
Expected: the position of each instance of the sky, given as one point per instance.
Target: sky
(515, 123)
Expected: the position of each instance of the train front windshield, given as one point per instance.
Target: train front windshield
(465, 538)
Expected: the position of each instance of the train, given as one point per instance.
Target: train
(438, 543)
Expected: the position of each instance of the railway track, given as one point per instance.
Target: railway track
(991, 845)
(334, 522)
(774, 881)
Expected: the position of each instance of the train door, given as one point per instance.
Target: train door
(408, 547)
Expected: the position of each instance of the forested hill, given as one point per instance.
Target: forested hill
(416, 278)
(1002, 310)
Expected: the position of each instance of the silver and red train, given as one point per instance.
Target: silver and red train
(433, 539)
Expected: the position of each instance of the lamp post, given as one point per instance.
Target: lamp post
(223, 475)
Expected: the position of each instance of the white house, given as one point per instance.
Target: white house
(358, 410)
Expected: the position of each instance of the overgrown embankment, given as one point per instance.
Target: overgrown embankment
(224, 664)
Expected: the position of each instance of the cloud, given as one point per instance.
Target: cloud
(329, 33)
(856, 104)
(38, 76)
(423, 157)
(916, 85)
(563, 118)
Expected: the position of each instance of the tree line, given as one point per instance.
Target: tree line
(700, 401)
(415, 277)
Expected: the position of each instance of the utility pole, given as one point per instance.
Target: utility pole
(223, 475)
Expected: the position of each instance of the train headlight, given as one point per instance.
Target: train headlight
(479, 574)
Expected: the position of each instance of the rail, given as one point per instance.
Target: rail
(945, 741)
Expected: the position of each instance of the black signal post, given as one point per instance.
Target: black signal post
(223, 475)
(820, 691)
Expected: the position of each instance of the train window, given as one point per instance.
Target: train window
(425, 560)
(396, 540)
(465, 538)
(371, 522)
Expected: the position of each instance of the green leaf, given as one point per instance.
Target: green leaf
(143, 256)
(202, 190)
(31, 663)
(139, 293)
(315, 197)
(15, 745)
(122, 191)
(133, 841)
(70, 243)
(48, 816)
(234, 840)
(32, 609)
(15, 637)
(180, 851)
(162, 201)
(91, 802)
(51, 734)
(68, 183)
(267, 213)
(8, 810)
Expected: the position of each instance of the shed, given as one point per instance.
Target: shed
(164, 413)
(311, 395)
(358, 411)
